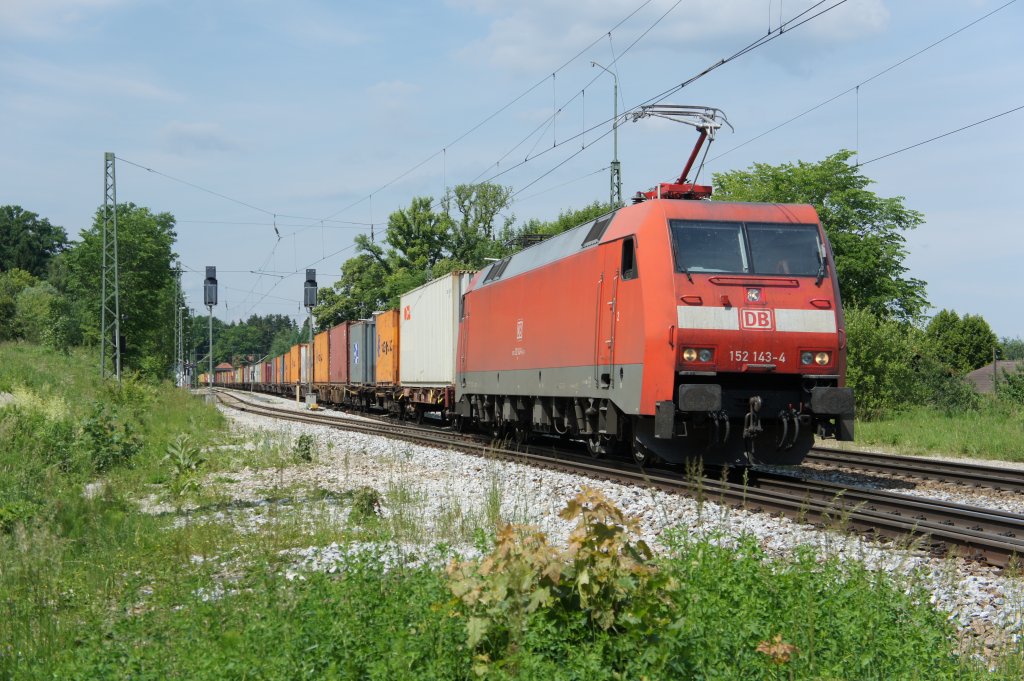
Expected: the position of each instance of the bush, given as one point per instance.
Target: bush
(894, 365)
(108, 441)
(1012, 387)
(604, 580)
(304, 448)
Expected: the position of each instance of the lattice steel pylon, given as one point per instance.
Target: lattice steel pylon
(110, 296)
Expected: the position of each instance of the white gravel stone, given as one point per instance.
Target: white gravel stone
(980, 600)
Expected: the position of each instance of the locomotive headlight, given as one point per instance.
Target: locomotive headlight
(821, 358)
(689, 354)
(806, 357)
(705, 355)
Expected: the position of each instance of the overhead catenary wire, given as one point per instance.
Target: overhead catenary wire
(492, 115)
(945, 134)
(542, 127)
(865, 81)
(784, 27)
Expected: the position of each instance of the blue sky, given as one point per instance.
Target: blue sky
(308, 108)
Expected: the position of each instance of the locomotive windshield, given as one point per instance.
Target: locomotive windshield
(746, 248)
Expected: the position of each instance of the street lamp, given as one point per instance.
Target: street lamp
(616, 175)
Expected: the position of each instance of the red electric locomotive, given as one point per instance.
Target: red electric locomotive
(675, 329)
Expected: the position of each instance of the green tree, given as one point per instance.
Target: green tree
(64, 330)
(147, 284)
(420, 244)
(356, 295)
(1011, 348)
(33, 313)
(965, 343)
(28, 241)
(866, 230)
(566, 220)
(12, 283)
(475, 236)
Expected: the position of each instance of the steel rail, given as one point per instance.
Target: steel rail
(976, 533)
(976, 474)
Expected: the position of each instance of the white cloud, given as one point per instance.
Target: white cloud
(179, 137)
(47, 18)
(532, 35)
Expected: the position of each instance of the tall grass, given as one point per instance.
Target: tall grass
(995, 431)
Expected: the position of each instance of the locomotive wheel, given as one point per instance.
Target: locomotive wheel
(458, 423)
(641, 457)
(596, 446)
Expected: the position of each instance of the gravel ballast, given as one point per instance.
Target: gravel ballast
(439, 484)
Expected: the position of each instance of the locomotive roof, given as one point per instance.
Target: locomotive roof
(580, 238)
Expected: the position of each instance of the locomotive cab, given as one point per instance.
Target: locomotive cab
(759, 351)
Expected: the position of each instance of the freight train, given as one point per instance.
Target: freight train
(673, 329)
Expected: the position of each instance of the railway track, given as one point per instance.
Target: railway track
(961, 473)
(986, 535)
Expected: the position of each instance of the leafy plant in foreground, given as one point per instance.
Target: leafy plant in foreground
(304, 448)
(185, 460)
(110, 443)
(605, 573)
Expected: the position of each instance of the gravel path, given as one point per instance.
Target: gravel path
(436, 486)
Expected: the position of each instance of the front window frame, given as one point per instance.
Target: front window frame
(747, 256)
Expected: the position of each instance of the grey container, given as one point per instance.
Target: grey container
(362, 352)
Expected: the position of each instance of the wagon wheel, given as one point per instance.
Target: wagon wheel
(520, 433)
(458, 423)
(418, 414)
(497, 430)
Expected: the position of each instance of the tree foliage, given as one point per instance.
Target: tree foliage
(1011, 348)
(12, 283)
(28, 241)
(893, 365)
(148, 286)
(421, 243)
(866, 230)
(242, 341)
(965, 343)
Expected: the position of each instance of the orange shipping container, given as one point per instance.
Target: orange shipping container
(321, 358)
(292, 368)
(387, 347)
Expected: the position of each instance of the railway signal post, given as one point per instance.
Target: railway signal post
(210, 299)
(309, 301)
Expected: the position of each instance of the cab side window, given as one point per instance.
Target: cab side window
(628, 268)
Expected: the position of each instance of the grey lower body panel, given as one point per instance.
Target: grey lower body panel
(621, 384)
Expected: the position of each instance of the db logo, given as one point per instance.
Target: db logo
(760, 320)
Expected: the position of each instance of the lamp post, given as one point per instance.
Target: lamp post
(615, 196)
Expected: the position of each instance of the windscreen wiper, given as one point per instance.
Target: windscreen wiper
(821, 268)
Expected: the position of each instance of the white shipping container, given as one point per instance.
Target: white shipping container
(429, 331)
